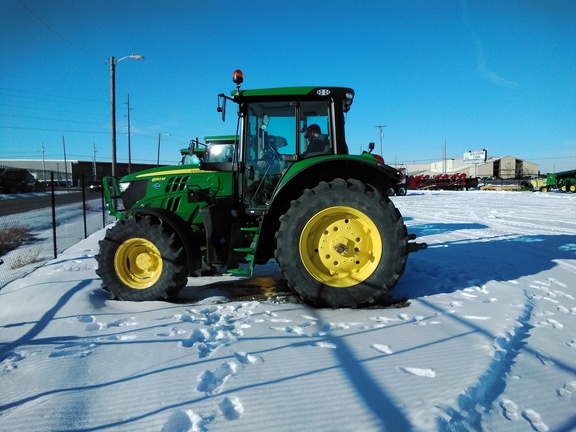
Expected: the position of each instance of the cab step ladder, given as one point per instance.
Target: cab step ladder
(246, 266)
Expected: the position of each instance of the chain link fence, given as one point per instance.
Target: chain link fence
(36, 227)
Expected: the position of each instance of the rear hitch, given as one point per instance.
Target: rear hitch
(415, 247)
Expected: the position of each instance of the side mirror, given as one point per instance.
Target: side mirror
(222, 105)
(265, 122)
(371, 147)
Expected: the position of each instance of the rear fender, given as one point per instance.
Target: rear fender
(294, 182)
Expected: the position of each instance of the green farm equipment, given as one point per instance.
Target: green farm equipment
(322, 213)
(565, 181)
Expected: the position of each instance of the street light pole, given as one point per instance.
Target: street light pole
(158, 157)
(113, 62)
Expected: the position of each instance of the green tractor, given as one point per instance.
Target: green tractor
(284, 187)
(565, 181)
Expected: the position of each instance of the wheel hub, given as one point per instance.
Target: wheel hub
(138, 263)
(340, 246)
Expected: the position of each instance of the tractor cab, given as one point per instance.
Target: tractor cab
(281, 128)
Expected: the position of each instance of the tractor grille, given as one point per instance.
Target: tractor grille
(176, 184)
(171, 204)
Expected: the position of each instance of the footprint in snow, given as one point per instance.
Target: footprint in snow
(421, 372)
(322, 344)
(549, 321)
(11, 361)
(174, 331)
(535, 420)
(246, 358)
(490, 300)
(187, 421)
(567, 389)
(509, 409)
(339, 326)
(198, 335)
(120, 338)
(123, 322)
(565, 310)
(384, 349)
(546, 360)
(95, 326)
(74, 349)
(211, 382)
(231, 407)
(557, 282)
(290, 329)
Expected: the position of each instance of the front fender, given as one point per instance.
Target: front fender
(181, 229)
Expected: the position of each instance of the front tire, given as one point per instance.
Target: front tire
(342, 244)
(141, 259)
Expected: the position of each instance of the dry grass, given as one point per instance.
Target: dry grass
(25, 258)
(13, 237)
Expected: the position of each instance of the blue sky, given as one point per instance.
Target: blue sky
(499, 75)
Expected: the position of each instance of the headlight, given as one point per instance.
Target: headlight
(132, 192)
(122, 186)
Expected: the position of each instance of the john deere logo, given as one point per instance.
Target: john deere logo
(323, 92)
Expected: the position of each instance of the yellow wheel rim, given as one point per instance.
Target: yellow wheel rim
(572, 188)
(340, 246)
(138, 263)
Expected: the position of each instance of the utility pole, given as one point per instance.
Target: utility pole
(444, 158)
(43, 166)
(381, 135)
(129, 147)
(65, 164)
(158, 159)
(94, 162)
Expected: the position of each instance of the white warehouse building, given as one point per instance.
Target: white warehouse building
(504, 167)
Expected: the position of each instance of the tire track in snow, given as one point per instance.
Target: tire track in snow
(480, 398)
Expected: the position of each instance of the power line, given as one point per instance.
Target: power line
(55, 32)
(49, 119)
(52, 130)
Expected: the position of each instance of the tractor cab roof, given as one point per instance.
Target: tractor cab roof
(221, 139)
(308, 93)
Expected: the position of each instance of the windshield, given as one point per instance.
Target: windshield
(219, 153)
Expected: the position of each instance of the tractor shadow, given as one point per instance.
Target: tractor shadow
(267, 285)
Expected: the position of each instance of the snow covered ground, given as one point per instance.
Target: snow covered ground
(485, 341)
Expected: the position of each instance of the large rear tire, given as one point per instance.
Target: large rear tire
(342, 244)
(141, 259)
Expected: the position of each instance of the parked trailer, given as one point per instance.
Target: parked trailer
(457, 181)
